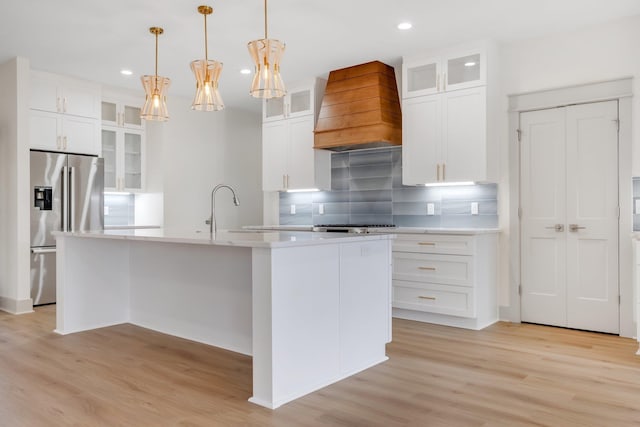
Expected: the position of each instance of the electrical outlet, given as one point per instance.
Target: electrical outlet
(293, 209)
(474, 208)
(321, 208)
(431, 209)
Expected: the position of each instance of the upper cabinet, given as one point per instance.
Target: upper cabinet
(64, 95)
(121, 113)
(123, 143)
(301, 100)
(458, 69)
(65, 114)
(289, 161)
(124, 159)
(448, 118)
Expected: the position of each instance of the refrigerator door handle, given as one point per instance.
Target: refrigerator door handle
(65, 198)
(72, 199)
(43, 250)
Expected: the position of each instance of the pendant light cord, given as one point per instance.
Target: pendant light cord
(265, 19)
(155, 81)
(206, 48)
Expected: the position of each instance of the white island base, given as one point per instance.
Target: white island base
(310, 309)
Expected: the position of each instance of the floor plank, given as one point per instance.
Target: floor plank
(505, 375)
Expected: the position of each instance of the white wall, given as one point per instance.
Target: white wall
(242, 170)
(201, 150)
(14, 187)
(592, 54)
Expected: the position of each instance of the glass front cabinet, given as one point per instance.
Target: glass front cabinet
(459, 69)
(123, 153)
(299, 101)
(121, 114)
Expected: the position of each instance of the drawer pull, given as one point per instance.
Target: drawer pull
(426, 243)
(429, 298)
(427, 268)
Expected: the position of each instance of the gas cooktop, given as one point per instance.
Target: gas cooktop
(350, 228)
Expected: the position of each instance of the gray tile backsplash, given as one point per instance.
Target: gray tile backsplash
(636, 197)
(120, 209)
(366, 187)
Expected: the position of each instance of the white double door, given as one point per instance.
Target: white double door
(569, 216)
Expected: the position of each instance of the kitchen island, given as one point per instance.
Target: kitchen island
(310, 308)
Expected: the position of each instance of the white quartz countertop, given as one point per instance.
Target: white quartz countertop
(419, 230)
(397, 230)
(241, 238)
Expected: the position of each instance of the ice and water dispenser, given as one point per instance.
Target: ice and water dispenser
(42, 198)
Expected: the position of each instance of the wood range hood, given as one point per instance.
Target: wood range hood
(360, 109)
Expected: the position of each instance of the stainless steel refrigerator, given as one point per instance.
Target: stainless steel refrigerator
(66, 195)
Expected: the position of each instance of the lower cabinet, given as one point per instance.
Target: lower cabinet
(446, 279)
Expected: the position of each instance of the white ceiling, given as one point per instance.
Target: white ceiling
(95, 39)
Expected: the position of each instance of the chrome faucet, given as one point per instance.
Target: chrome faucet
(212, 217)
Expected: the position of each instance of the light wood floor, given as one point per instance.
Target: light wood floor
(505, 375)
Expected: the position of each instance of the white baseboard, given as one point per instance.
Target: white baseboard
(15, 306)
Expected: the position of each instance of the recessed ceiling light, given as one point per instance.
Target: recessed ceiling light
(469, 64)
(245, 71)
(404, 26)
(126, 72)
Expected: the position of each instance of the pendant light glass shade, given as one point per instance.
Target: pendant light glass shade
(155, 89)
(155, 103)
(266, 54)
(207, 73)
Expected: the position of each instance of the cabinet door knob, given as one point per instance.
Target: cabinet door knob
(444, 176)
(438, 172)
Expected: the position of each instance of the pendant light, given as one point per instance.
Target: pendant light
(155, 89)
(207, 73)
(266, 54)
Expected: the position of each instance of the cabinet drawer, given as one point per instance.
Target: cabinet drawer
(434, 243)
(432, 298)
(433, 268)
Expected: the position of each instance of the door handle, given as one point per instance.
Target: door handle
(557, 227)
(575, 227)
(38, 251)
(65, 198)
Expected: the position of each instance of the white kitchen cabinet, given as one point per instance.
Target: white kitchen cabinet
(449, 111)
(123, 151)
(64, 114)
(59, 132)
(64, 95)
(446, 279)
(288, 157)
(289, 161)
(122, 113)
(445, 71)
(301, 100)
(445, 137)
